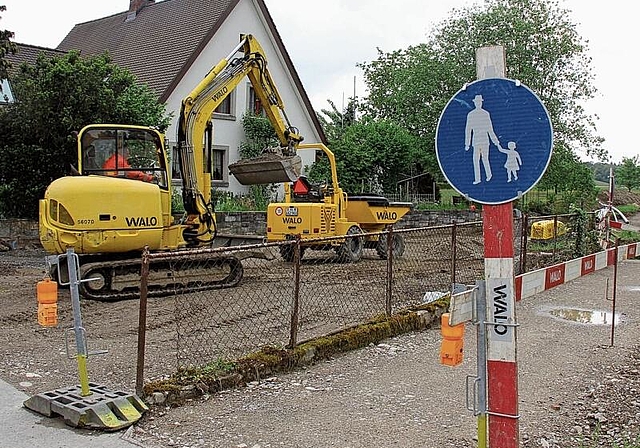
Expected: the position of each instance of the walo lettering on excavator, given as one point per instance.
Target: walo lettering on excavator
(291, 220)
(141, 221)
(385, 215)
(220, 93)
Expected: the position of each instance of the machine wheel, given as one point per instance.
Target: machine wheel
(288, 252)
(382, 248)
(351, 250)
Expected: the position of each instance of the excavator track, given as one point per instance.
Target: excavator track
(111, 281)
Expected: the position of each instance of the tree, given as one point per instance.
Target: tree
(335, 122)
(370, 156)
(570, 177)
(6, 47)
(55, 97)
(600, 170)
(628, 173)
(543, 49)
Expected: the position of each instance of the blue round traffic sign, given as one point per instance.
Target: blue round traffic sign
(494, 140)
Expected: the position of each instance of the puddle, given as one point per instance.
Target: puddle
(593, 317)
(632, 288)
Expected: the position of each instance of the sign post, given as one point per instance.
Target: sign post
(493, 144)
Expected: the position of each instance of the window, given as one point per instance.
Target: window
(175, 161)
(254, 105)
(126, 153)
(220, 175)
(225, 106)
(226, 109)
(6, 96)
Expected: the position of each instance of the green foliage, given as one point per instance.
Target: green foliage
(334, 122)
(226, 201)
(543, 50)
(600, 171)
(6, 47)
(55, 97)
(585, 237)
(259, 133)
(371, 156)
(177, 206)
(626, 236)
(629, 209)
(567, 175)
(628, 173)
(22, 178)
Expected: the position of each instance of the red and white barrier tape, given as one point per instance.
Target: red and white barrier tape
(534, 282)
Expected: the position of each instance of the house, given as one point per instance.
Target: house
(171, 45)
(24, 54)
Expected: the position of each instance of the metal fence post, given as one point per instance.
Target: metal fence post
(525, 239)
(454, 253)
(613, 297)
(142, 320)
(389, 270)
(555, 236)
(295, 312)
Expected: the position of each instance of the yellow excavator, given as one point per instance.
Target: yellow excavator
(119, 201)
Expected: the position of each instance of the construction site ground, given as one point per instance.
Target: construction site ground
(575, 389)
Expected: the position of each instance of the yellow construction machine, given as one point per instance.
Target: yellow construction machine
(313, 212)
(119, 201)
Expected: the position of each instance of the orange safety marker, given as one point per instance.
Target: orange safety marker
(452, 346)
(47, 294)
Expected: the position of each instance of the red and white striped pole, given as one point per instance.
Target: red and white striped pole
(502, 368)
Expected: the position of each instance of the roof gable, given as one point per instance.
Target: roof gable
(157, 44)
(28, 54)
(164, 39)
(25, 54)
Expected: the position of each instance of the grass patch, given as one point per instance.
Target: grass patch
(626, 236)
(629, 209)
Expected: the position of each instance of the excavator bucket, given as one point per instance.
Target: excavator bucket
(267, 169)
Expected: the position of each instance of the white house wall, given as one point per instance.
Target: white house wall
(246, 18)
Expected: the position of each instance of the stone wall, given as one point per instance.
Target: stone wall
(18, 234)
(254, 223)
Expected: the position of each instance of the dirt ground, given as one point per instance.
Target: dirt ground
(571, 381)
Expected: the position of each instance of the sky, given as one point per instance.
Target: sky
(327, 39)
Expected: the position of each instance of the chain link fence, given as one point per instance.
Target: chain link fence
(556, 238)
(231, 301)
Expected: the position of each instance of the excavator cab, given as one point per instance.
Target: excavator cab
(131, 153)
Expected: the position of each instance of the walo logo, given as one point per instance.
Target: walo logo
(141, 221)
(385, 215)
(292, 220)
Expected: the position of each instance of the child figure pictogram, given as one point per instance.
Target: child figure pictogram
(513, 162)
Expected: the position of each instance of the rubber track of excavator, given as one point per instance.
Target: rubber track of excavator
(171, 285)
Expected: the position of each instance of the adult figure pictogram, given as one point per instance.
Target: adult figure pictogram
(478, 131)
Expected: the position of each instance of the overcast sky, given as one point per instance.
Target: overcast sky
(326, 39)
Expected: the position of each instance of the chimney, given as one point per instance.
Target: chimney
(135, 6)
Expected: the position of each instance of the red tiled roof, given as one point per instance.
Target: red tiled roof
(28, 54)
(164, 39)
(157, 43)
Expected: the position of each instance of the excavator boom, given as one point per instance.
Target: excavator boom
(274, 166)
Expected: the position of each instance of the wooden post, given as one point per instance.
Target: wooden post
(502, 370)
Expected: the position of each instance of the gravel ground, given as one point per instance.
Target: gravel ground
(575, 389)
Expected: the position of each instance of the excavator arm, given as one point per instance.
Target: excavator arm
(197, 108)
